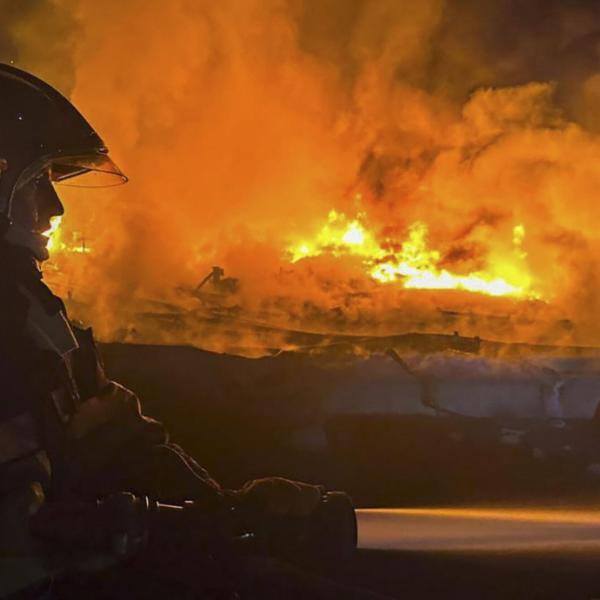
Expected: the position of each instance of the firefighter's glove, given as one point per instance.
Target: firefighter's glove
(281, 497)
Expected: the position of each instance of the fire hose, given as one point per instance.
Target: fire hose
(123, 525)
(328, 533)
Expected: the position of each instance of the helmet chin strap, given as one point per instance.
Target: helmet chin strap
(32, 241)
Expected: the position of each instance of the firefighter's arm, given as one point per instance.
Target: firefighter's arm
(117, 448)
(123, 450)
(113, 447)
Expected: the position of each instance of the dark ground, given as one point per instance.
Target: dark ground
(238, 418)
(523, 576)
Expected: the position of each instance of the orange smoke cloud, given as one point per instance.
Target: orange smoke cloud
(242, 124)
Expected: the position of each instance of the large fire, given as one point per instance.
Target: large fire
(412, 262)
(248, 128)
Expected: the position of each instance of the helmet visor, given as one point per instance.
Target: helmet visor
(90, 169)
(96, 170)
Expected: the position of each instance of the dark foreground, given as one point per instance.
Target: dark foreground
(245, 419)
(437, 575)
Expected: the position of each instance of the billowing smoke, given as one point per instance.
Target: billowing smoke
(242, 123)
(40, 35)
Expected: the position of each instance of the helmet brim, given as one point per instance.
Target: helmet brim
(88, 171)
(77, 169)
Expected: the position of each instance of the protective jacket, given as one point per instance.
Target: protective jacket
(60, 410)
(66, 430)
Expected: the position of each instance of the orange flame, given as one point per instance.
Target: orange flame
(415, 265)
(56, 242)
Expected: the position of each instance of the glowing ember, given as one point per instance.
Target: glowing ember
(414, 264)
(518, 237)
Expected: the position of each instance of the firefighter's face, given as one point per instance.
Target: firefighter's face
(35, 204)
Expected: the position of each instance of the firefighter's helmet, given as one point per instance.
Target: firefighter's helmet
(40, 130)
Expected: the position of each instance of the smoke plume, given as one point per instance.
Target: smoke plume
(242, 123)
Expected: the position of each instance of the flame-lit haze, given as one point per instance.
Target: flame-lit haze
(333, 155)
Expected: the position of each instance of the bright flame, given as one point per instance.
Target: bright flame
(53, 234)
(354, 235)
(415, 264)
(339, 237)
(57, 244)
